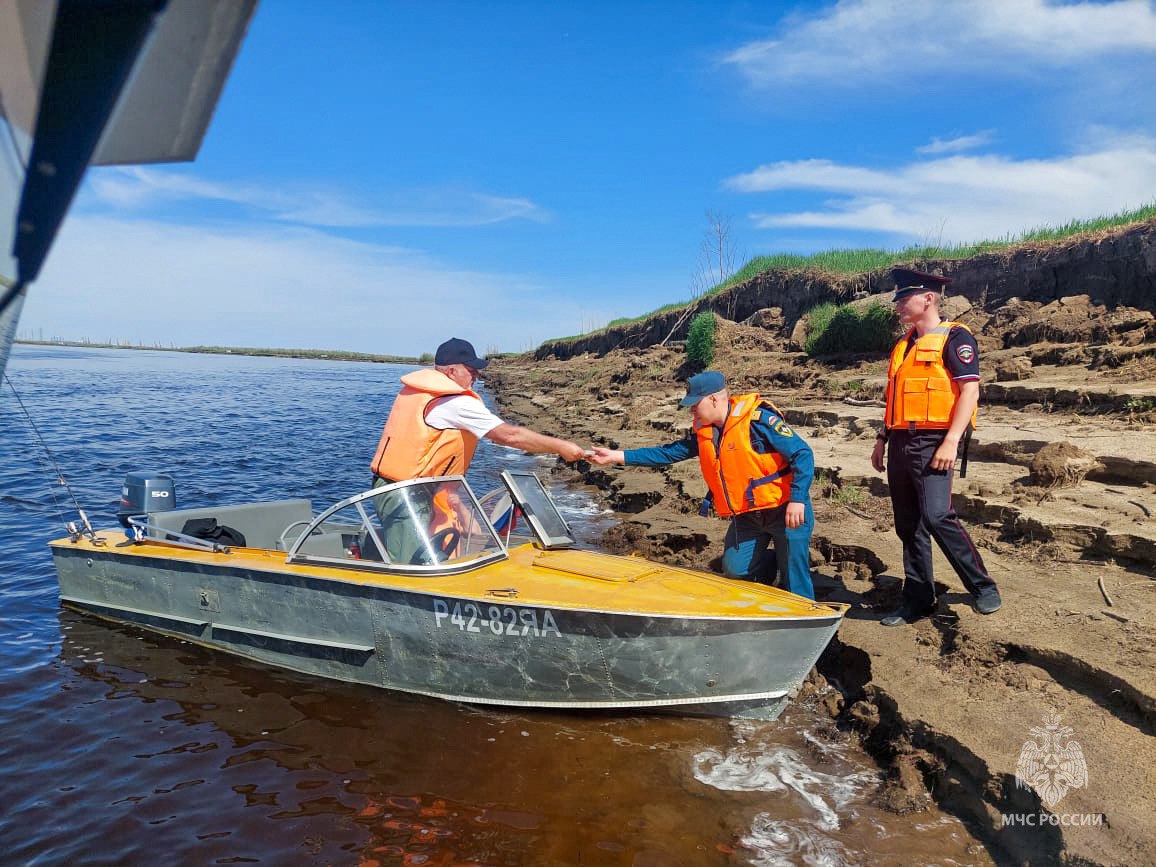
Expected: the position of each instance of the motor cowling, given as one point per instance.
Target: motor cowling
(144, 493)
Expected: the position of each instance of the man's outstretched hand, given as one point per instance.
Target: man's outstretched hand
(571, 451)
(603, 456)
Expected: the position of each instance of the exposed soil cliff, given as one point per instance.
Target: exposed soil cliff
(1068, 342)
(1115, 268)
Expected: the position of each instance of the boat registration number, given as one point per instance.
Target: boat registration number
(498, 619)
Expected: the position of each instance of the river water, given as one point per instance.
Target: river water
(123, 747)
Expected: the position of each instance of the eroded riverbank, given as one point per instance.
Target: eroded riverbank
(948, 704)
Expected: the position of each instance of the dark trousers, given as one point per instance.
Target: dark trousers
(399, 530)
(746, 554)
(921, 498)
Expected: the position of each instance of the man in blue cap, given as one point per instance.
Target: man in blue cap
(433, 429)
(932, 395)
(437, 419)
(759, 473)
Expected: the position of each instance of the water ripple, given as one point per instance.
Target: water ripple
(123, 747)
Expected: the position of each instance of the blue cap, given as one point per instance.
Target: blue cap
(458, 351)
(702, 385)
(908, 282)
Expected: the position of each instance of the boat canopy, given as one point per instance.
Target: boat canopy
(83, 83)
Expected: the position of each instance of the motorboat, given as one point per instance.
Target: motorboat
(423, 587)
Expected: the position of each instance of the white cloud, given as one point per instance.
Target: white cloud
(275, 285)
(957, 144)
(856, 42)
(138, 188)
(962, 198)
(815, 175)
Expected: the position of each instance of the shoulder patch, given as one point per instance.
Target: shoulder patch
(767, 415)
(965, 353)
(783, 429)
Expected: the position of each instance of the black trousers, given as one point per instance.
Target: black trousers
(921, 498)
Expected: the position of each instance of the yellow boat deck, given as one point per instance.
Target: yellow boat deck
(571, 579)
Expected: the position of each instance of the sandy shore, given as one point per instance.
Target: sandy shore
(948, 704)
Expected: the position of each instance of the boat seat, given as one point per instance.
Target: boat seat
(369, 549)
(260, 523)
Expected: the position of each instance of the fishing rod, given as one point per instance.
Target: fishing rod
(71, 526)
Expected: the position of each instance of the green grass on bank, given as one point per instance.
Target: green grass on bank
(327, 354)
(836, 328)
(700, 341)
(843, 262)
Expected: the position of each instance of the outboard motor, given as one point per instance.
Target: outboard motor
(144, 493)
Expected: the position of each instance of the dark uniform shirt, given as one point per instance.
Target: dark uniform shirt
(769, 433)
(960, 354)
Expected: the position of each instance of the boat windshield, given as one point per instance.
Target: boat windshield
(507, 519)
(522, 510)
(535, 503)
(424, 525)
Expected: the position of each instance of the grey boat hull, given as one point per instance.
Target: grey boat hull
(481, 649)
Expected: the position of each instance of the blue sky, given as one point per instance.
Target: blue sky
(380, 176)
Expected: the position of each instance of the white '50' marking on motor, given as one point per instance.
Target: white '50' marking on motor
(499, 619)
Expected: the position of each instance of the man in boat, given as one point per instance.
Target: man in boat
(932, 395)
(433, 430)
(759, 473)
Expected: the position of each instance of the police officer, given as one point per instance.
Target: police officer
(759, 473)
(932, 395)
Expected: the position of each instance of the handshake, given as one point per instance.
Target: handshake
(598, 455)
(603, 456)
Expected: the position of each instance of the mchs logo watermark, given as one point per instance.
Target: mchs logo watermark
(1052, 764)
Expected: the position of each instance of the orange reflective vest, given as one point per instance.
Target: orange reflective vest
(410, 448)
(741, 479)
(920, 391)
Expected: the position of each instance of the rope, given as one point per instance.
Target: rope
(47, 451)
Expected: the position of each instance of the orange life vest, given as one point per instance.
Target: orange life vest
(444, 515)
(410, 448)
(920, 391)
(741, 479)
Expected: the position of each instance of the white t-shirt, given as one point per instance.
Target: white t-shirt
(461, 412)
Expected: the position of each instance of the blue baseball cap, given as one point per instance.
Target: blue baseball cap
(702, 385)
(458, 351)
(908, 282)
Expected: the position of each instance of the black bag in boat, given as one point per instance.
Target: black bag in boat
(209, 530)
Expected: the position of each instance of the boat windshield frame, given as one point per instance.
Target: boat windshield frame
(523, 496)
(454, 567)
